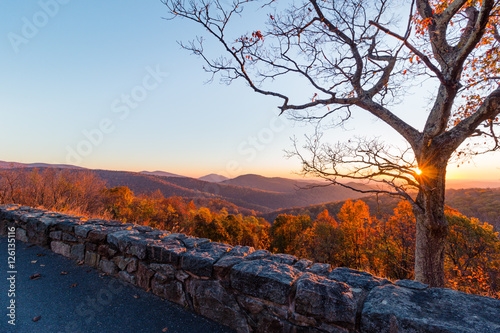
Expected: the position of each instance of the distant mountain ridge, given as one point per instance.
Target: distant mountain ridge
(274, 184)
(464, 184)
(214, 178)
(9, 165)
(161, 173)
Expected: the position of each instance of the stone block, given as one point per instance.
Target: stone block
(55, 235)
(223, 266)
(144, 275)
(283, 258)
(106, 251)
(192, 242)
(138, 248)
(320, 269)
(326, 300)
(181, 276)
(68, 225)
(92, 259)
(211, 300)
(127, 277)
(21, 235)
(38, 228)
(303, 264)
(29, 215)
(4, 225)
(132, 265)
(156, 234)
(90, 247)
(411, 284)
(259, 254)
(251, 305)
(121, 239)
(390, 308)
(168, 252)
(161, 278)
(200, 260)
(108, 267)
(357, 279)
(241, 251)
(264, 279)
(100, 234)
(68, 238)
(171, 291)
(168, 271)
(83, 230)
(61, 248)
(78, 251)
(121, 262)
(143, 228)
(174, 237)
(130, 242)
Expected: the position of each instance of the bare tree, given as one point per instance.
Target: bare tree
(350, 54)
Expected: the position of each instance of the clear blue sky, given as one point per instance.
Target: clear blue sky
(104, 84)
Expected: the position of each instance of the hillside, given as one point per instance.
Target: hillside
(245, 197)
(275, 184)
(280, 195)
(483, 204)
(383, 206)
(141, 183)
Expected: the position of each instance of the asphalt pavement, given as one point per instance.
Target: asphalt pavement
(67, 297)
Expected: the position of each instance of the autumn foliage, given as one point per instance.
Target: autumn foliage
(383, 245)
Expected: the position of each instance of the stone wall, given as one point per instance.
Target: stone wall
(252, 290)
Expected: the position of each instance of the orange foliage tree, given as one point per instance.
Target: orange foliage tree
(321, 241)
(285, 231)
(355, 221)
(78, 192)
(230, 228)
(472, 256)
(397, 242)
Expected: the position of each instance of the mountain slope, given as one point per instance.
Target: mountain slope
(143, 183)
(271, 199)
(480, 203)
(275, 184)
(245, 197)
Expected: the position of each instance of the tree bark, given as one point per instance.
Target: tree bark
(431, 224)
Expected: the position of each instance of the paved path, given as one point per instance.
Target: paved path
(83, 300)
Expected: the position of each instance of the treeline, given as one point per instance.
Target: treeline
(386, 247)
(383, 244)
(481, 203)
(83, 193)
(77, 192)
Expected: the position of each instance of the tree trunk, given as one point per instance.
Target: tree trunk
(431, 225)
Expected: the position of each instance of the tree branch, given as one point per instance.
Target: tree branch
(421, 55)
(488, 110)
